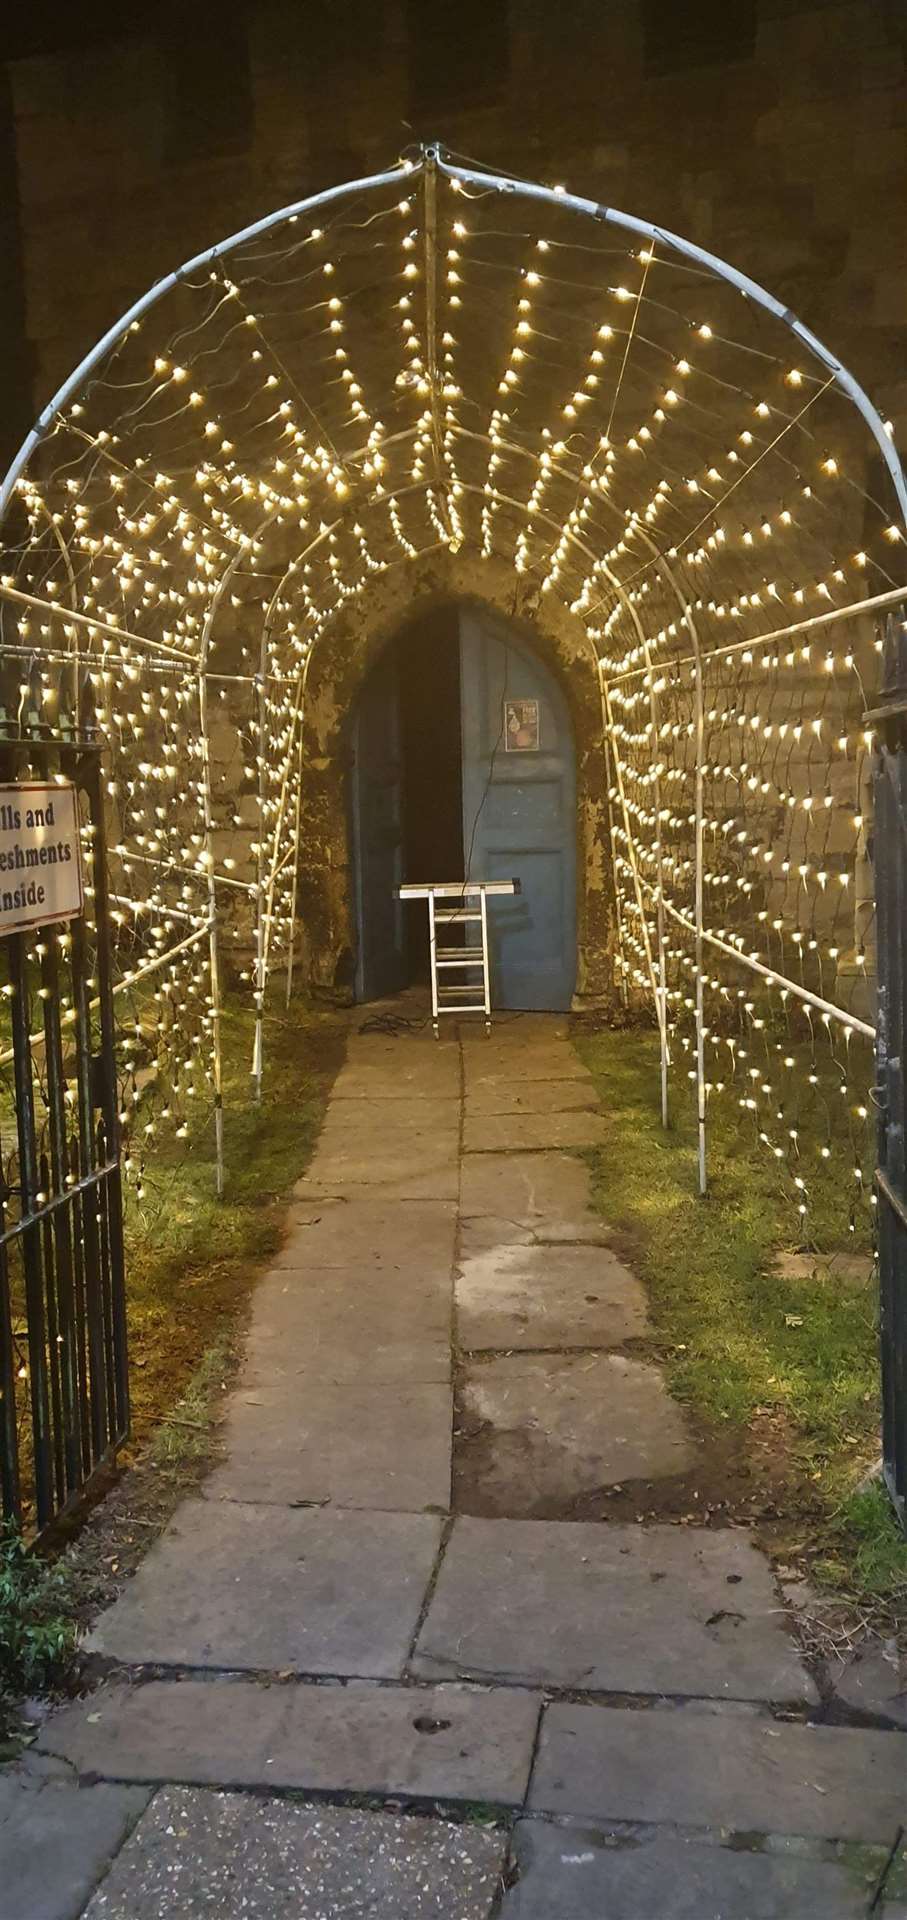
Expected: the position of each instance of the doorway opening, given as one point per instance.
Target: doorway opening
(407, 812)
(463, 766)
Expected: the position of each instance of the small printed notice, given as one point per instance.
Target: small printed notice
(40, 867)
(521, 726)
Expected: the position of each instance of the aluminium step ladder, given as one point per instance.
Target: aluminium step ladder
(459, 903)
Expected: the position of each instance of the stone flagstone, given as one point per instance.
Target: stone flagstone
(538, 1131)
(56, 1840)
(312, 1560)
(514, 1295)
(318, 1591)
(579, 1872)
(457, 1743)
(356, 1441)
(388, 1171)
(547, 1193)
(554, 1426)
(369, 1234)
(695, 1768)
(530, 1096)
(624, 1609)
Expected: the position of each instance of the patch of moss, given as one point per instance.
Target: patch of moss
(191, 1259)
(741, 1339)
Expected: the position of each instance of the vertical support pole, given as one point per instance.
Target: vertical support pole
(258, 1049)
(292, 946)
(660, 913)
(10, 1488)
(67, 1323)
(430, 224)
(109, 1099)
(213, 942)
(618, 909)
(699, 849)
(276, 864)
(890, 863)
(608, 727)
(30, 1234)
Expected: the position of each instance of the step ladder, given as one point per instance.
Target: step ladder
(459, 903)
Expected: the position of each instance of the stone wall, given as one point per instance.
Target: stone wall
(787, 153)
(778, 140)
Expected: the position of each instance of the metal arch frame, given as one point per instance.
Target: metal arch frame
(434, 160)
(405, 171)
(434, 156)
(720, 269)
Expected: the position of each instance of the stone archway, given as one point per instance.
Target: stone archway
(340, 664)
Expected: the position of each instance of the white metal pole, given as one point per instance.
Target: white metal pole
(608, 723)
(699, 840)
(393, 175)
(292, 946)
(618, 908)
(258, 1047)
(660, 921)
(721, 269)
(213, 943)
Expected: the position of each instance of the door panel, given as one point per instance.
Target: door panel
(377, 806)
(519, 814)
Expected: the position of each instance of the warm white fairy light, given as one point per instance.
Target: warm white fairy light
(263, 446)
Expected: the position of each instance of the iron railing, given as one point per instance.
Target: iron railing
(890, 861)
(64, 1394)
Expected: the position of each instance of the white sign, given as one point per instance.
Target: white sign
(40, 868)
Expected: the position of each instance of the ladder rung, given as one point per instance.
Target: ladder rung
(443, 954)
(467, 1009)
(457, 913)
(451, 993)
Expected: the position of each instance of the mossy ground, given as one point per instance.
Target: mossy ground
(191, 1263)
(191, 1259)
(745, 1346)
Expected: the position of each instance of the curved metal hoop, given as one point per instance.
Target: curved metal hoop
(502, 183)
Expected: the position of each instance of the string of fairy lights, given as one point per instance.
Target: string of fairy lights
(443, 360)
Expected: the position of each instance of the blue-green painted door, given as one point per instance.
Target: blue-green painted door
(519, 811)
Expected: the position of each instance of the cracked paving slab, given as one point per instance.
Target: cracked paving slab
(544, 1194)
(607, 1608)
(316, 1590)
(449, 1742)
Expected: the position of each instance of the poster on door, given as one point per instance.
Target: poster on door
(521, 726)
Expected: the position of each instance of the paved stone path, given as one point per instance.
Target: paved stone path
(382, 1594)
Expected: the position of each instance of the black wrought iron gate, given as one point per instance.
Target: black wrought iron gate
(63, 1368)
(890, 861)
